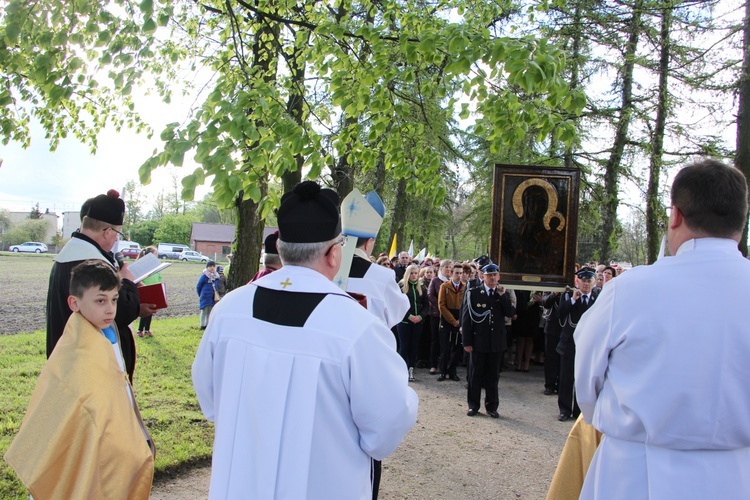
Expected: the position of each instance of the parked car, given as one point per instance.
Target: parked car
(29, 246)
(129, 249)
(170, 250)
(192, 256)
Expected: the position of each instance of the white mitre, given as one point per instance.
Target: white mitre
(361, 216)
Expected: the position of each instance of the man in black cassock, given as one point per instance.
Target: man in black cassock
(101, 225)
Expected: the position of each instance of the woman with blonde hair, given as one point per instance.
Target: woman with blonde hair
(410, 328)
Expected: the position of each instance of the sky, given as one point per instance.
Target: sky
(62, 180)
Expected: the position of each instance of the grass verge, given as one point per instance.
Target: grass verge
(163, 388)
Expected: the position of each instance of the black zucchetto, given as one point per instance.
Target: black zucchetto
(309, 214)
(107, 208)
(270, 243)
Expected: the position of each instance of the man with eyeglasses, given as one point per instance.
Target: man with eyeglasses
(662, 357)
(304, 384)
(101, 227)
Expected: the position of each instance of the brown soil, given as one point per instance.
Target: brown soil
(25, 279)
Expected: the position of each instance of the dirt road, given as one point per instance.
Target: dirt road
(448, 455)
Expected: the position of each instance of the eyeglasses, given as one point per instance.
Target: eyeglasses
(341, 241)
(115, 230)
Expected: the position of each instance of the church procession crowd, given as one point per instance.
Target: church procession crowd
(522, 327)
(309, 391)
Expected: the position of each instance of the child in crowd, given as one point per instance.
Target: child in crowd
(207, 288)
(82, 436)
(144, 326)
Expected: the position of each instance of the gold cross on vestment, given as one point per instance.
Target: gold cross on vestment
(285, 283)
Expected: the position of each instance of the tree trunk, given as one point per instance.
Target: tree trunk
(343, 172)
(612, 170)
(574, 66)
(653, 204)
(399, 215)
(247, 246)
(249, 231)
(294, 107)
(742, 160)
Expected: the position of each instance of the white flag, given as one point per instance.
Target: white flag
(411, 249)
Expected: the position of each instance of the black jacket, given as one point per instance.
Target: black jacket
(418, 304)
(483, 325)
(58, 312)
(550, 303)
(570, 314)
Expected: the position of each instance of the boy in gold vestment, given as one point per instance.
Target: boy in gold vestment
(82, 436)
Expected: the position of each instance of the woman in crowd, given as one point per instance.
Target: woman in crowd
(528, 329)
(410, 328)
(207, 290)
(608, 273)
(426, 274)
(385, 262)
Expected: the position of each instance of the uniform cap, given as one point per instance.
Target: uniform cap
(490, 268)
(586, 273)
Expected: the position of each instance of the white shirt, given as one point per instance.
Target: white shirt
(300, 411)
(384, 297)
(662, 369)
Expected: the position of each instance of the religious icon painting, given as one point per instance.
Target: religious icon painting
(535, 226)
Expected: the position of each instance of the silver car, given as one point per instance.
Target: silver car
(192, 256)
(29, 246)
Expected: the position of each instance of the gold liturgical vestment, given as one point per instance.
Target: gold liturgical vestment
(81, 437)
(574, 462)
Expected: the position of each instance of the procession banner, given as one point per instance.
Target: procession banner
(535, 226)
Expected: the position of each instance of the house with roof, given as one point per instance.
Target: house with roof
(215, 240)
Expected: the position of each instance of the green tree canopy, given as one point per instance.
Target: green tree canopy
(174, 229)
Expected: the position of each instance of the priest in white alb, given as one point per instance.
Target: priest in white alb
(361, 217)
(663, 356)
(304, 384)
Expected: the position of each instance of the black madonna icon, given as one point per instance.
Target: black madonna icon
(534, 225)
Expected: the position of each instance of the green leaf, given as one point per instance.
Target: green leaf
(169, 132)
(149, 26)
(147, 7)
(12, 30)
(465, 113)
(253, 192)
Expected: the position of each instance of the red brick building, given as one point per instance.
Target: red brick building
(215, 240)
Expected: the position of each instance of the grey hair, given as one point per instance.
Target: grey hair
(302, 254)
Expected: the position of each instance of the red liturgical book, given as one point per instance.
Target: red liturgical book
(153, 294)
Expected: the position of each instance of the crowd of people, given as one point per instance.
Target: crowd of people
(307, 408)
(537, 329)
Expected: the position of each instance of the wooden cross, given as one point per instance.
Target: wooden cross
(285, 283)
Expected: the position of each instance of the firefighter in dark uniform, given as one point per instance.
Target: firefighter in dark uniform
(484, 339)
(570, 309)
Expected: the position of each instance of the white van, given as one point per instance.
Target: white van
(170, 250)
